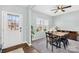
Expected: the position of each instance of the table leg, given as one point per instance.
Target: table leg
(59, 42)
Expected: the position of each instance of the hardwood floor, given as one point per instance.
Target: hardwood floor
(30, 49)
(40, 45)
(24, 46)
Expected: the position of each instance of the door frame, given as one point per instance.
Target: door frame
(2, 32)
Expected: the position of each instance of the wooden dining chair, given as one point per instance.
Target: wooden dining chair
(52, 40)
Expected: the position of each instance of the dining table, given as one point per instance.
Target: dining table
(60, 35)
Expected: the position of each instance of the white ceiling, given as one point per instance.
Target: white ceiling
(47, 9)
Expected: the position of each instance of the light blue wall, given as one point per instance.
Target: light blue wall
(29, 16)
(36, 15)
(68, 21)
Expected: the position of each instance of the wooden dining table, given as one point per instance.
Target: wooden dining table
(60, 35)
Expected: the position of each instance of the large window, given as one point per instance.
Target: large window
(42, 24)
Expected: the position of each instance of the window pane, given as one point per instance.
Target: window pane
(9, 17)
(13, 17)
(45, 22)
(37, 21)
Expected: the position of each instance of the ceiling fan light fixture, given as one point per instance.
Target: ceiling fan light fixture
(61, 8)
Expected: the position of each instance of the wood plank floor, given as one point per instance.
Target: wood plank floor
(25, 47)
(30, 49)
(40, 45)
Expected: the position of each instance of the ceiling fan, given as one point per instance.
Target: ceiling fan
(60, 7)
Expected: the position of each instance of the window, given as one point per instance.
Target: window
(13, 22)
(42, 24)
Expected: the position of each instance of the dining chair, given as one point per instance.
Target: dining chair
(51, 39)
(64, 40)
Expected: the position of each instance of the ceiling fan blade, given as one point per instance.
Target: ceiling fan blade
(63, 10)
(56, 11)
(53, 9)
(67, 7)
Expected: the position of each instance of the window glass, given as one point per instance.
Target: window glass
(13, 22)
(42, 23)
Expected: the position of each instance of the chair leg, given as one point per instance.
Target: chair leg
(64, 45)
(46, 44)
(59, 44)
(52, 48)
(67, 42)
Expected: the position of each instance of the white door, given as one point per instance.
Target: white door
(11, 29)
